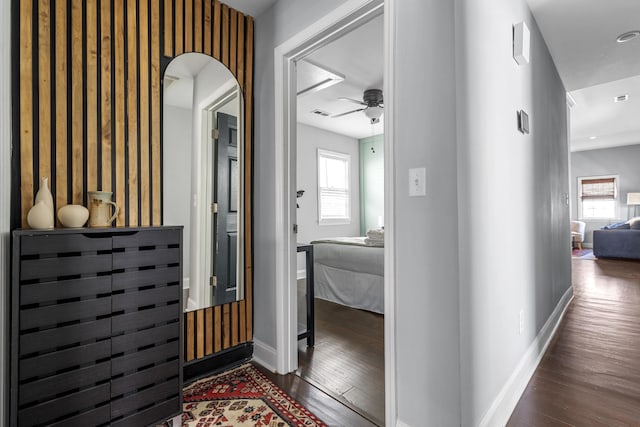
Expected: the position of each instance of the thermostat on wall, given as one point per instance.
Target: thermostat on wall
(521, 39)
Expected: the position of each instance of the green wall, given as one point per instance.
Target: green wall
(371, 182)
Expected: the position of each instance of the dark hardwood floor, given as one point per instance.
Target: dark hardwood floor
(590, 374)
(347, 360)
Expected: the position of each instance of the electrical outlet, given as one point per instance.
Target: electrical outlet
(521, 321)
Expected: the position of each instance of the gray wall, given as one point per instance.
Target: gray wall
(426, 228)
(5, 184)
(621, 161)
(516, 258)
(282, 21)
(309, 140)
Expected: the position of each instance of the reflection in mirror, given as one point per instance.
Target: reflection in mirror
(203, 176)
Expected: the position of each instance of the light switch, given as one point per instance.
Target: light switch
(417, 182)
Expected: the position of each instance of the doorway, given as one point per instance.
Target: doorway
(288, 56)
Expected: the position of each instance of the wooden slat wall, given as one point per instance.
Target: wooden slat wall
(90, 115)
(215, 29)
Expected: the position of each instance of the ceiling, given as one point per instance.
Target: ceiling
(581, 36)
(359, 57)
(250, 7)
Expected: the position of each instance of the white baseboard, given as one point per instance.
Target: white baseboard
(302, 274)
(506, 401)
(265, 355)
(401, 424)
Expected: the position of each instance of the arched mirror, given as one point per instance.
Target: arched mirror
(203, 176)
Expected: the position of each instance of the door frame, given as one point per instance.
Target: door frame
(332, 26)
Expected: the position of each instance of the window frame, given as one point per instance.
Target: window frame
(336, 156)
(616, 203)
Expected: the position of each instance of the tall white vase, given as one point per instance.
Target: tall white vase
(44, 194)
(41, 214)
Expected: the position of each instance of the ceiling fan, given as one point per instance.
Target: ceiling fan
(372, 104)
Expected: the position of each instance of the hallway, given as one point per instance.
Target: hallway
(590, 375)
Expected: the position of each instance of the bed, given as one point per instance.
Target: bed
(350, 272)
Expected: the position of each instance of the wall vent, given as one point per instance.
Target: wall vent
(621, 98)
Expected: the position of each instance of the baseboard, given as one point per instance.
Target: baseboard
(587, 245)
(401, 424)
(506, 401)
(302, 274)
(265, 355)
(217, 363)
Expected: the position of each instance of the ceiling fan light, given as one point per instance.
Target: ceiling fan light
(373, 113)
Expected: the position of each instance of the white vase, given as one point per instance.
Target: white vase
(40, 216)
(73, 216)
(44, 194)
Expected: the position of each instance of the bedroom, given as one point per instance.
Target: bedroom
(340, 198)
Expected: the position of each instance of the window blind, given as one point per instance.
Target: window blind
(598, 188)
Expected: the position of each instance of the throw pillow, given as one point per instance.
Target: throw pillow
(634, 223)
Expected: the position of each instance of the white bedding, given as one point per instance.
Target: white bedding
(349, 272)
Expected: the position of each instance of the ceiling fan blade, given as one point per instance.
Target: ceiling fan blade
(348, 112)
(355, 101)
(381, 105)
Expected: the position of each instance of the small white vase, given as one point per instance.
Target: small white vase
(73, 216)
(40, 216)
(44, 194)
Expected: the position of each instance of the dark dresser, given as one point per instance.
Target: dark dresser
(96, 321)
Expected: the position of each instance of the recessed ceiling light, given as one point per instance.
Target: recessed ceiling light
(621, 98)
(592, 137)
(629, 35)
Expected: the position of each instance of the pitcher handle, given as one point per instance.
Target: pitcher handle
(116, 209)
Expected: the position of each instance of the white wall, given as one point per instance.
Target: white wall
(426, 237)
(273, 27)
(5, 186)
(309, 140)
(513, 219)
(176, 153)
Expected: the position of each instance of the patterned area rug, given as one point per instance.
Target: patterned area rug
(242, 397)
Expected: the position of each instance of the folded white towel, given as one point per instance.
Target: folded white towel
(376, 234)
(374, 242)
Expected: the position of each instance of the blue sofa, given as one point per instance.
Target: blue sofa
(617, 243)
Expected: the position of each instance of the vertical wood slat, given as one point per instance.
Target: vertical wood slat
(224, 42)
(92, 93)
(168, 27)
(119, 101)
(209, 330)
(178, 27)
(132, 111)
(105, 94)
(77, 156)
(226, 326)
(44, 89)
(200, 333)
(240, 48)
(61, 102)
(26, 110)
(191, 336)
(234, 324)
(156, 176)
(217, 328)
(233, 42)
(197, 24)
(216, 28)
(207, 27)
(248, 96)
(243, 321)
(188, 25)
(145, 190)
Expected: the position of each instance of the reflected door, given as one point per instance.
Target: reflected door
(226, 218)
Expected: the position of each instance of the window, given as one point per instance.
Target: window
(598, 197)
(333, 188)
